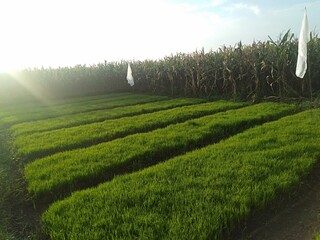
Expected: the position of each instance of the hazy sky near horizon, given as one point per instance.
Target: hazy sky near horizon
(54, 33)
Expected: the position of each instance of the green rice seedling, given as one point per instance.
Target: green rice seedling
(65, 170)
(98, 116)
(38, 106)
(203, 194)
(40, 144)
(60, 110)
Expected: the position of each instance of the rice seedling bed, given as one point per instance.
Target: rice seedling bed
(63, 171)
(36, 106)
(78, 107)
(98, 116)
(41, 144)
(203, 194)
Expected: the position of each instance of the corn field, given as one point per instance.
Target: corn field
(256, 71)
(250, 72)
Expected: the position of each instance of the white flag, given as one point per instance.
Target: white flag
(304, 38)
(129, 76)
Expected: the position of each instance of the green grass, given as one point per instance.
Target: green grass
(199, 195)
(64, 171)
(59, 110)
(98, 116)
(41, 144)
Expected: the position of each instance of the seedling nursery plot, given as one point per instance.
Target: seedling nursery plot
(38, 106)
(60, 110)
(39, 144)
(64, 170)
(30, 107)
(197, 195)
(98, 116)
(164, 172)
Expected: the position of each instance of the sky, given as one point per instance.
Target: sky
(53, 33)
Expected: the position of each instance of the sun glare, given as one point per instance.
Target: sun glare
(66, 33)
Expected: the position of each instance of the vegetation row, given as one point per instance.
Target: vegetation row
(41, 144)
(200, 195)
(78, 107)
(65, 171)
(98, 116)
(30, 107)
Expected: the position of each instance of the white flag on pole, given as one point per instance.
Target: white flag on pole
(129, 76)
(304, 38)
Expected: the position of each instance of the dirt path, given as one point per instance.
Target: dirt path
(295, 218)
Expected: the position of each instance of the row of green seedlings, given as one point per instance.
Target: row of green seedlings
(203, 194)
(54, 111)
(45, 143)
(64, 172)
(30, 106)
(36, 111)
(98, 116)
(36, 106)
